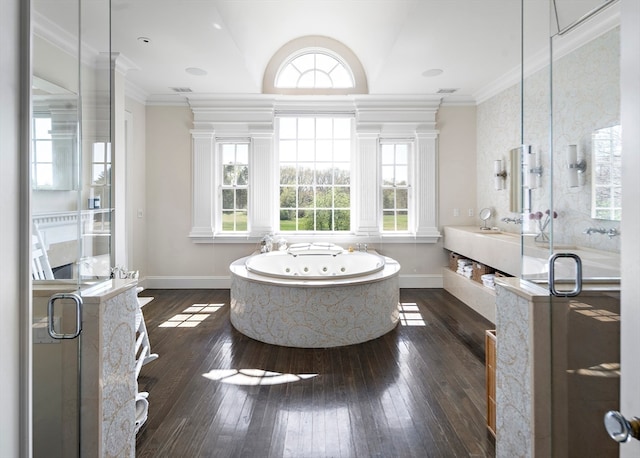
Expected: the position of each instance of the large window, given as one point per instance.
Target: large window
(394, 160)
(235, 178)
(343, 169)
(315, 173)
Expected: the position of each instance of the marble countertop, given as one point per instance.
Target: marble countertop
(90, 292)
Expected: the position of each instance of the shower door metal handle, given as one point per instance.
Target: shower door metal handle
(50, 315)
(552, 275)
(619, 428)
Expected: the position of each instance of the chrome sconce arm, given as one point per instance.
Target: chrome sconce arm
(499, 175)
(576, 167)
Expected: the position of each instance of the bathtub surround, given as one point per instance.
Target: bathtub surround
(314, 311)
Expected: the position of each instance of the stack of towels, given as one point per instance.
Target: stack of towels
(488, 280)
(465, 267)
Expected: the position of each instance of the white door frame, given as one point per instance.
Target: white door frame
(630, 225)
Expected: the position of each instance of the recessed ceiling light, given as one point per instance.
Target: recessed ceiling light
(195, 71)
(144, 40)
(432, 72)
(217, 26)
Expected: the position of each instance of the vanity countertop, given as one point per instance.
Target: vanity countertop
(521, 256)
(90, 293)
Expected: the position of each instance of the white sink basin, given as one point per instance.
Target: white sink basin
(503, 251)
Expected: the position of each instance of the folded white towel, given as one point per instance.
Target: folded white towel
(142, 410)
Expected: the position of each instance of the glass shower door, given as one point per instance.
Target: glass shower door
(571, 243)
(70, 204)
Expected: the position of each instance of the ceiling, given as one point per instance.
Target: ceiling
(475, 43)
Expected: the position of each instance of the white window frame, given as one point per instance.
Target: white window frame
(220, 143)
(410, 144)
(316, 116)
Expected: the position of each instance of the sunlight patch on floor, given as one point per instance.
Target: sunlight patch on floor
(254, 377)
(596, 314)
(601, 370)
(191, 316)
(410, 314)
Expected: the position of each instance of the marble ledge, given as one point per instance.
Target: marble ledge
(536, 293)
(90, 292)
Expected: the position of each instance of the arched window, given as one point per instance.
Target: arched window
(314, 65)
(315, 69)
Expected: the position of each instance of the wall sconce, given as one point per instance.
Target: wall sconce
(533, 171)
(576, 167)
(499, 175)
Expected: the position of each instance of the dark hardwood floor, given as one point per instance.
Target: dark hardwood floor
(416, 392)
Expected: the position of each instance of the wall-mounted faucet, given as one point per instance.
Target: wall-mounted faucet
(512, 220)
(612, 232)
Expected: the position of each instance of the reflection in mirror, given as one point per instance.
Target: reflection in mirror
(519, 197)
(606, 172)
(54, 137)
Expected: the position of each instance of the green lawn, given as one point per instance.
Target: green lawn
(240, 218)
(290, 225)
(402, 221)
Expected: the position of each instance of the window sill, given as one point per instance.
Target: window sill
(339, 239)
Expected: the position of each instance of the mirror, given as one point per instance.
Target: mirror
(519, 197)
(606, 188)
(54, 158)
(485, 214)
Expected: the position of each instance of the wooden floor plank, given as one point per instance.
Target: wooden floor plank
(417, 391)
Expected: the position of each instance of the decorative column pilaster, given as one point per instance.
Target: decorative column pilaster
(366, 161)
(203, 204)
(426, 184)
(262, 197)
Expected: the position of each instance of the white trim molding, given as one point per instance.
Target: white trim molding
(253, 117)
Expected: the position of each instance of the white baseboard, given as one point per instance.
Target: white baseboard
(151, 282)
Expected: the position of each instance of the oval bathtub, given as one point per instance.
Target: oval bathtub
(316, 300)
(315, 264)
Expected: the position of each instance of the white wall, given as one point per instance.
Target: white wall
(457, 166)
(136, 188)
(173, 260)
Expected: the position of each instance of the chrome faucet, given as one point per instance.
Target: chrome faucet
(612, 232)
(266, 243)
(512, 220)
